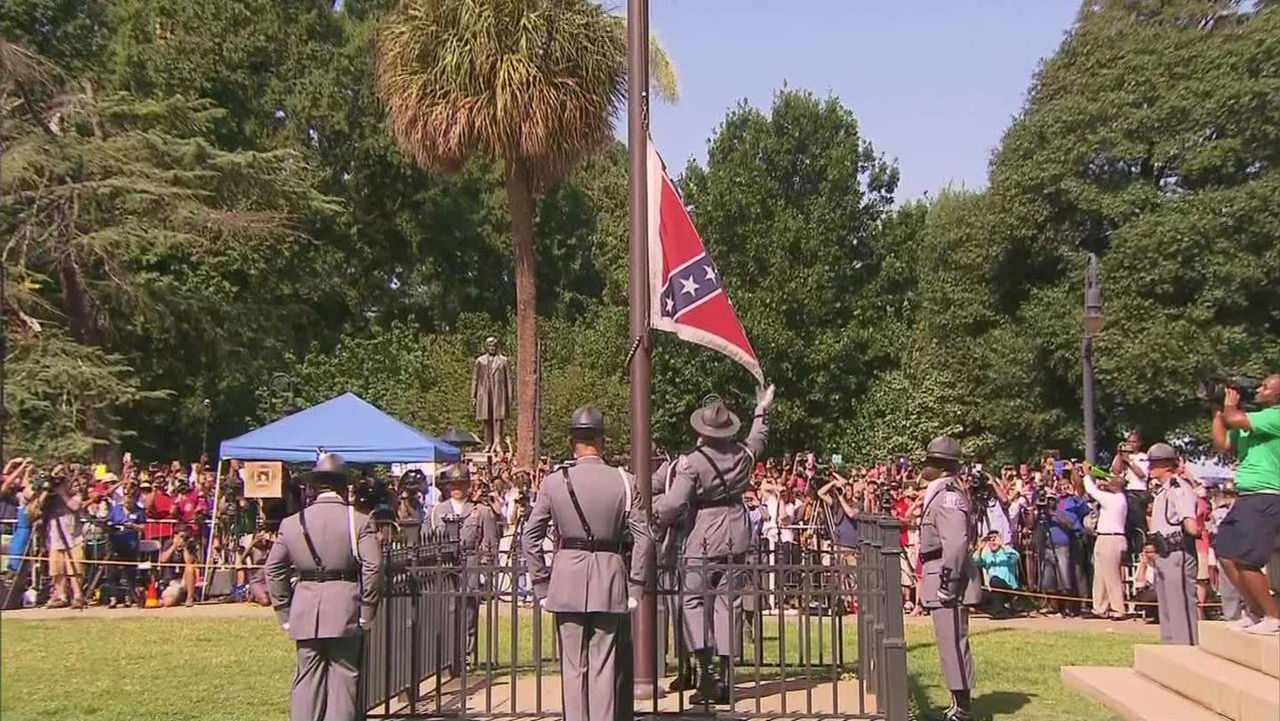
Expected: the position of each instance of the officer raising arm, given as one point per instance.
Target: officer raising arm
(599, 517)
(708, 487)
(951, 581)
(333, 550)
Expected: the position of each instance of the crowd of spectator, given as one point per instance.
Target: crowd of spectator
(1070, 542)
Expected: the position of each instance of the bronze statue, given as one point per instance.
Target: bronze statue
(491, 393)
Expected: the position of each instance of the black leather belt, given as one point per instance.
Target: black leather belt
(721, 503)
(323, 576)
(582, 544)
(933, 555)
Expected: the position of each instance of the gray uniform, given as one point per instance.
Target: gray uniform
(330, 605)
(588, 584)
(475, 528)
(708, 485)
(951, 579)
(1176, 572)
(670, 548)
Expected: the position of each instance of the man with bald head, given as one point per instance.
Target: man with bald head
(1247, 536)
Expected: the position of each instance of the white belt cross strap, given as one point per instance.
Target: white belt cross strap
(626, 489)
(351, 528)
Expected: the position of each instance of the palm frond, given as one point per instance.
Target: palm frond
(534, 82)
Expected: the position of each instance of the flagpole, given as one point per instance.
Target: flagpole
(644, 620)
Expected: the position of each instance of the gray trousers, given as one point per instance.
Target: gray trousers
(713, 605)
(326, 680)
(1176, 594)
(951, 631)
(589, 664)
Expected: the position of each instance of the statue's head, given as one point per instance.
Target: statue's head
(491, 345)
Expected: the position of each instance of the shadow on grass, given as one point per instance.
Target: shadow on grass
(1000, 702)
(1005, 703)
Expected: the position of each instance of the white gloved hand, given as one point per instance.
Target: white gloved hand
(945, 598)
(285, 626)
(764, 398)
(632, 604)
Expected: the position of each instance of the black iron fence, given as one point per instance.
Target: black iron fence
(820, 636)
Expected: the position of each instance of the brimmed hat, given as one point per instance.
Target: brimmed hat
(715, 420)
(1161, 452)
(330, 470)
(457, 473)
(943, 447)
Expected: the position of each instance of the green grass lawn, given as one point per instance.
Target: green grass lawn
(206, 669)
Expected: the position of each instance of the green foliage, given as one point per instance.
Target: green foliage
(788, 205)
(199, 195)
(424, 379)
(53, 385)
(130, 230)
(1150, 139)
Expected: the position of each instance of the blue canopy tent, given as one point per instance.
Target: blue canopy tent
(347, 425)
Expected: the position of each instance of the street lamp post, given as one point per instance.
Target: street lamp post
(204, 436)
(1092, 325)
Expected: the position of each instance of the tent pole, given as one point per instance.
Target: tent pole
(213, 524)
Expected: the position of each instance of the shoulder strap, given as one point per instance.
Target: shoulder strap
(626, 489)
(582, 517)
(724, 483)
(306, 536)
(351, 532)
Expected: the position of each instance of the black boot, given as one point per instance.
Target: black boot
(687, 680)
(712, 687)
(708, 684)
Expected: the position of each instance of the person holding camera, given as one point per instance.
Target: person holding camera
(1110, 545)
(1173, 532)
(1132, 469)
(126, 520)
(182, 584)
(1247, 535)
(59, 505)
(589, 587)
(951, 580)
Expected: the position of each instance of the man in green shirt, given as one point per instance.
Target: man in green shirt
(1247, 536)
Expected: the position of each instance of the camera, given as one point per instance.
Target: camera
(46, 483)
(979, 486)
(1212, 391)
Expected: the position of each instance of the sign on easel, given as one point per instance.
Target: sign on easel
(263, 479)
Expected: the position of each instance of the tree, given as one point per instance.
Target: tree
(529, 84)
(789, 205)
(1151, 138)
(126, 231)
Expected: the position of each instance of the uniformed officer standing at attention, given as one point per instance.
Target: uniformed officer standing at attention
(333, 550)
(598, 514)
(708, 485)
(670, 548)
(1173, 532)
(474, 527)
(951, 579)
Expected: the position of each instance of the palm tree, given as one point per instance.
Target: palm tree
(530, 84)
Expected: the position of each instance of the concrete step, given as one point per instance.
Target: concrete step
(1260, 653)
(1133, 697)
(1221, 685)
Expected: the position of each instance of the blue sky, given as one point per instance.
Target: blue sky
(933, 84)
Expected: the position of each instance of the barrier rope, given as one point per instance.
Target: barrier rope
(1055, 597)
(143, 565)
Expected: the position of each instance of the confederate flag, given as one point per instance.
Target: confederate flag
(685, 290)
